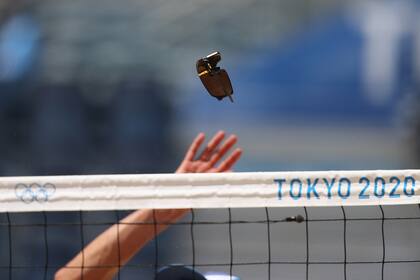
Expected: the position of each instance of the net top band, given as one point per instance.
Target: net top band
(211, 190)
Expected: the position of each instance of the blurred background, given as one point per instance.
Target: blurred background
(101, 86)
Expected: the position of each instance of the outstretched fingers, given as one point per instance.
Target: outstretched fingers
(230, 161)
(192, 151)
(212, 145)
(229, 143)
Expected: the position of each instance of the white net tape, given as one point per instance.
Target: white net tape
(234, 190)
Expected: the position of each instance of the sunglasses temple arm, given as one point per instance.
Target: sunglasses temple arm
(230, 97)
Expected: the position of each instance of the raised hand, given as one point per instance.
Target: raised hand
(211, 155)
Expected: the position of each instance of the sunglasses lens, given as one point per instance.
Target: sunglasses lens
(218, 85)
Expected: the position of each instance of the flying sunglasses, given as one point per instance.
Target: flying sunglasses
(214, 79)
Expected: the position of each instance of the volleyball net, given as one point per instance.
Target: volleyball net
(259, 225)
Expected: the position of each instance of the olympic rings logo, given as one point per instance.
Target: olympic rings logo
(34, 192)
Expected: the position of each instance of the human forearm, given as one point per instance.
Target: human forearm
(112, 249)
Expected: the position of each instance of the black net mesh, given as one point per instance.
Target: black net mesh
(364, 242)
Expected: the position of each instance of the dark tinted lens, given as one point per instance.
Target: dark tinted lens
(217, 84)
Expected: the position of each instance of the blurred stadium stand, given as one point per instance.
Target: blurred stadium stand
(96, 39)
(59, 131)
(84, 71)
(330, 96)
